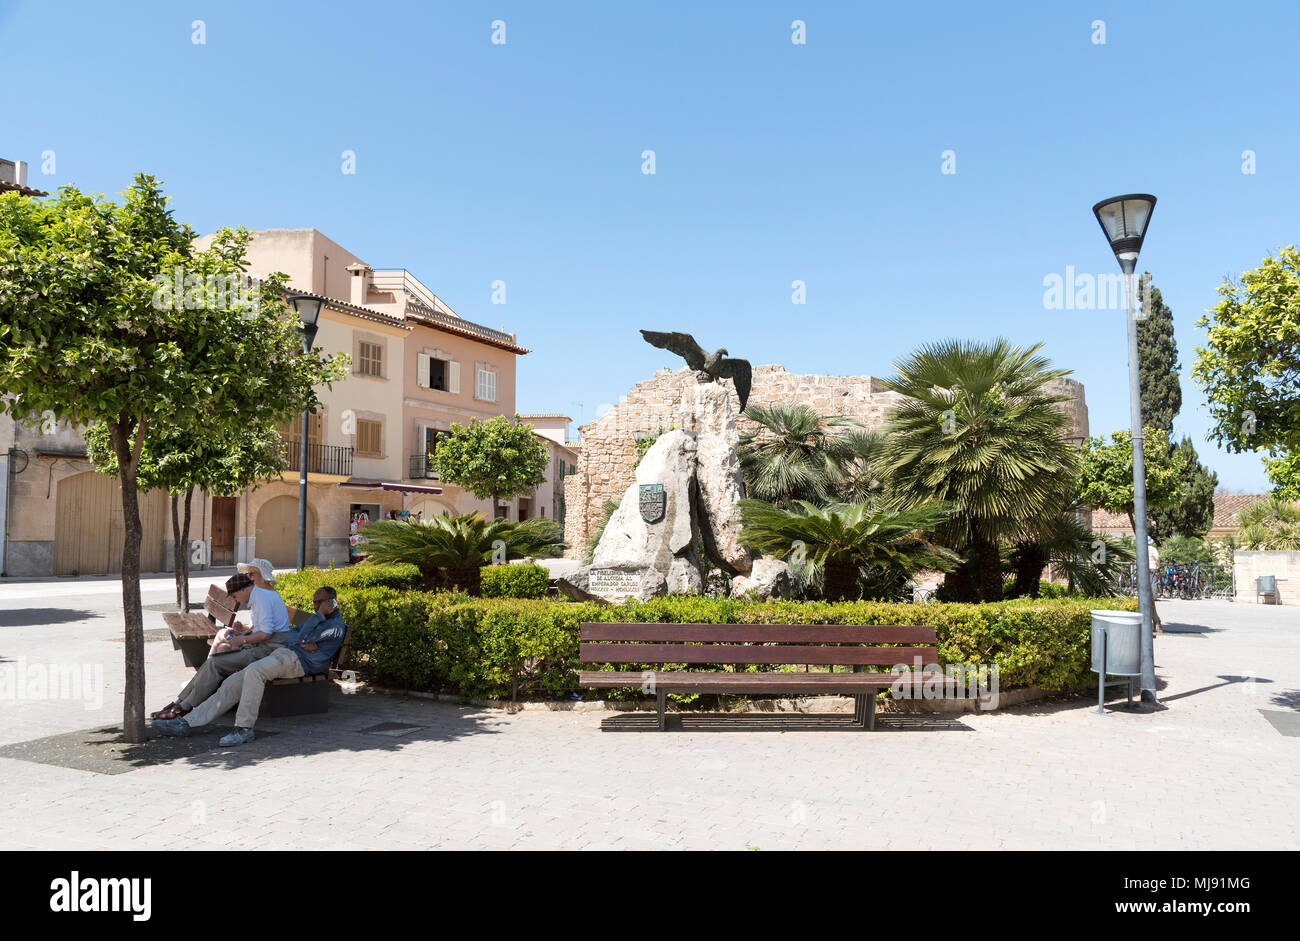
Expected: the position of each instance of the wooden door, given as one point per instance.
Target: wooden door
(223, 530)
(277, 532)
(89, 528)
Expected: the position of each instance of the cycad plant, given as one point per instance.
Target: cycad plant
(978, 428)
(794, 453)
(844, 539)
(536, 538)
(448, 550)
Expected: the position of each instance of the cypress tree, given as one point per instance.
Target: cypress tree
(1162, 395)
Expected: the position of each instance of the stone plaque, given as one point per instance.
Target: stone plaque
(613, 582)
(653, 502)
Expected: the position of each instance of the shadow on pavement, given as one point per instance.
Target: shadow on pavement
(1289, 699)
(35, 617)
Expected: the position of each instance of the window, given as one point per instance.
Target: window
(370, 360)
(485, 387)
(370, 437)
(437, 372)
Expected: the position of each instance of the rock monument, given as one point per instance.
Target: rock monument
(685, 496)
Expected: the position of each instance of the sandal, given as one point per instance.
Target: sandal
(173, 710)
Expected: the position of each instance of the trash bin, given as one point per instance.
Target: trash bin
(1116, 640)
(1266, 585)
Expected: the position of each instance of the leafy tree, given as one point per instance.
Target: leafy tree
(844, 539)
(499, 458)
(1250, 364)
(91, 330)
(1192, 512)
(1162, 394)
(1284, 471)
(1106, 472)
(181, 460)
(978, 428)
(793, 453)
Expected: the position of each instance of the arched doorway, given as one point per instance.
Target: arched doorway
(89, 529)
(428, 508)
(277, 532)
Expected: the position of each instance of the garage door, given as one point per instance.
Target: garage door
(277, 532)
(88, 527)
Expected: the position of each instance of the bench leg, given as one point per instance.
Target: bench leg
(864, 710)
(661, 703)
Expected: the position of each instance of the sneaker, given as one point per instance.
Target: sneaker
(177, 727)
(237, 737)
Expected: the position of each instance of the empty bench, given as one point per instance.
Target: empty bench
(770, 645)
(192, 635)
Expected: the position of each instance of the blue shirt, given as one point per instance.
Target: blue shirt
(325, 632)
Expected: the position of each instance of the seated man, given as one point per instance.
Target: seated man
(306, 651)
(241, 647)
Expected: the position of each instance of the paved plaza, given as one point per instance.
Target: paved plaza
(1215, 769)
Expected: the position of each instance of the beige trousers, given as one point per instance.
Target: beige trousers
(246, 688)
(216, 668)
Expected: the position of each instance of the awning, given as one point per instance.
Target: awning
(361, 483)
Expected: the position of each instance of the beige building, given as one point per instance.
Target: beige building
(1227, 517)
(416, 367)
(548, 500)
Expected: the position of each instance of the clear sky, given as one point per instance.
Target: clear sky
(774, 162)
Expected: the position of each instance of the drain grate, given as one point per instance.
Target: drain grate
(1288, 723)
(391, 729)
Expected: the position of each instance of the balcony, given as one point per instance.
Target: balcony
(420, 469)
(321, 458)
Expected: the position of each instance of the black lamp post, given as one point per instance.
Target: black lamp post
(1124, 219)
(308, 309)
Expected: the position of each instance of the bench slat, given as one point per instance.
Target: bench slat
(189, 625)
(761, 633)
(758, 682)
(736, 653)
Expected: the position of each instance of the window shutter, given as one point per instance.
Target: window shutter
(453, 381)
(422, 360)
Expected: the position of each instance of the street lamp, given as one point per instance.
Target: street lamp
(1124, 219)
(308, 308)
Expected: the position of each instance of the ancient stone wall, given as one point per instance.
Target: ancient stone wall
(605, 466)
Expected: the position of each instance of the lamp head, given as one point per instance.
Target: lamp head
(1124, 219)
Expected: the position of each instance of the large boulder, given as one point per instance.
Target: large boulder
(768, 578)
(706, 410)
(640, 559)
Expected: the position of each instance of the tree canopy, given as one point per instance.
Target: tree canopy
(498, 458)
(1162, 394)
(1106, 472)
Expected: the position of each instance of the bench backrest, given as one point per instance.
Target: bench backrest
(220, 606)
(341, 656)
(820, 644)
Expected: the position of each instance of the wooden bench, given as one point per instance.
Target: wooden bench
(758, 645)
(192, 635)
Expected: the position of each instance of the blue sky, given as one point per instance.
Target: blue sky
(774, 162)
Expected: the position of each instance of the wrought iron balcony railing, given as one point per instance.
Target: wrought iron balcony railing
(420, 468)
(321, 458)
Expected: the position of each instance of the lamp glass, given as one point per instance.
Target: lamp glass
(308, 309)
(1124, 219)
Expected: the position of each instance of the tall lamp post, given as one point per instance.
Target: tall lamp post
(1124, 220)
(308, 309)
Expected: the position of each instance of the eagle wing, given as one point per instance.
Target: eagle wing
(739, 372)
(683, 344)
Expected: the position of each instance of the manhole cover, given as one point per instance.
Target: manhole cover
(392, 729)
(1288, 723)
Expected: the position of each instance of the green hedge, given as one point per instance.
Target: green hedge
(297, 587)
(515, 581)
(446, 641)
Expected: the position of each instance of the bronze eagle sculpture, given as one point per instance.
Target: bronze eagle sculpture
(709, 367)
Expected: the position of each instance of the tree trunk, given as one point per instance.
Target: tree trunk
(183, 565)
(840, 581)
(989, 572)
(1030, 558)
(181, 603)
(128, 458)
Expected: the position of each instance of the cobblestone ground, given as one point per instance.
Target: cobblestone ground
(1209, 771)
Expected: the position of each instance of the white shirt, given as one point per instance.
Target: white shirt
(1153, 559)
(268, 611)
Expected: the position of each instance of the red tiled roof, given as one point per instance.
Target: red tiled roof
(1227, 508)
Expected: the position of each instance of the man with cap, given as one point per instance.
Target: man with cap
(236, 647)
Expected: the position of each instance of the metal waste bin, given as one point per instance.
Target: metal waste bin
(1116, 650)
(1266, 585)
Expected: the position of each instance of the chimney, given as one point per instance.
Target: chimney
(20, 172)
(361, 277)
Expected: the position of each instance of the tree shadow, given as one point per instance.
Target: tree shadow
(1227, 681)
(1290, 699)
(36, 617)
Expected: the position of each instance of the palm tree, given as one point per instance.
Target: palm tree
(978, 428)
(796, 454)
(845, 538)
(1270, 523)
(448, 550)
(1092, 563)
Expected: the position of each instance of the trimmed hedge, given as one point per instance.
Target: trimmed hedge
(447, 641)
(302, 585)
(515, 581)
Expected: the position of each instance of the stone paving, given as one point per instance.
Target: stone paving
(1212, 770)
